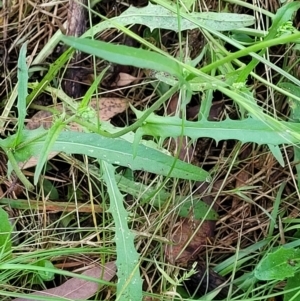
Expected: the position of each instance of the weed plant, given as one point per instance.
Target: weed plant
(115, 190)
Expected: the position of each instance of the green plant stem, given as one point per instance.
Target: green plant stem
(251, 49)
(18, 171)
(154, 107)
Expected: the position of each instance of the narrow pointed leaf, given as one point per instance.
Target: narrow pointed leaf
(129, 286)
(125, 55)
(115, 151)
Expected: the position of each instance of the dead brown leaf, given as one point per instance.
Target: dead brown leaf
(75, 288)
(41, 118)
(241, 180)
(106, 108)
(184, 249)
(124, 79)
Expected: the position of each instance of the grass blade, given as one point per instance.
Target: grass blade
(22, 90)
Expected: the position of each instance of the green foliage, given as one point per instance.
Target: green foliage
(125, 55)
(295, 117)
(129, 285)
(111, 147)
(247, 130)
(5, 236)
(280, 264)
(159, 198)
(114, 151)
(43, 275)
(156, 16)
(292, 288)
(22, 90)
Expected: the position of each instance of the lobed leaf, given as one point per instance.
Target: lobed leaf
(156, 16)
(129, 286)
(247, 130)
(115, 151)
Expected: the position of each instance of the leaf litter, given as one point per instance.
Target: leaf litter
(106, 108)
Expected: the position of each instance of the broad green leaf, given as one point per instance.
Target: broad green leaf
(156, 16)
(247, 130)
(129, 286)
(278, 265)
(5, 235)
(293, 283)
(125, 55)
(45, 275)
(115, 151)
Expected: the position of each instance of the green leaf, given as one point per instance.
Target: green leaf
(94, 86)
(129, 286)
(22, 90)
(125, 55)
(54, 68)
(45, 275)
(45, 149)
(292, 283)
(5, 235)
(115, 151)
(283, 15)
(247, 130)
(294, 104)
(278, 265)
(276, 152)
(199, 209)
(295, 116)
(156, 16)
(50, 190)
